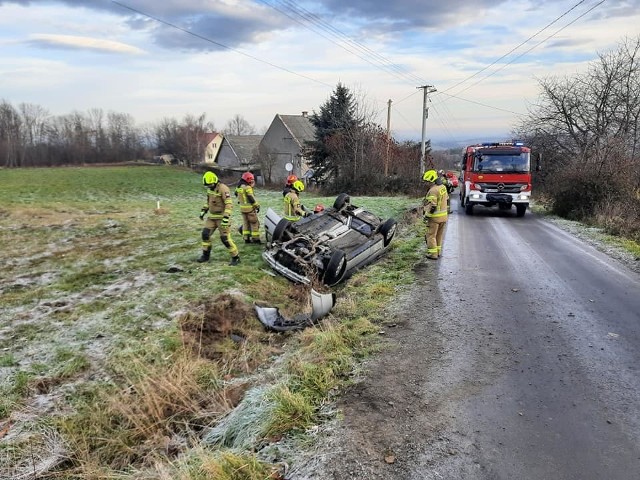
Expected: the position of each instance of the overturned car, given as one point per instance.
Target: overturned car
(327, 246)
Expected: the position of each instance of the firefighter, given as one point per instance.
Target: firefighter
(249, 208)
(287, 186)
(293, 209)
(435, 213)
(219, 206)
(442, 179)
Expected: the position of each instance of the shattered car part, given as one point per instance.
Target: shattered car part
(329, 245)
(321, 304)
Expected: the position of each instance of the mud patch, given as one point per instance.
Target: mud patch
(212, 323)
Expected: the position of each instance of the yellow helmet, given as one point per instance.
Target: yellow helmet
(430, 176)
(209, 179)
(298, 186)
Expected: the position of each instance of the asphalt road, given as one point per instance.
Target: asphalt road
(562, 398)
(514, 357)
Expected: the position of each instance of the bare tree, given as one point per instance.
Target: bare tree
(586, 126)
(585, 116)
(267, 160)
(239, 126)
(10, 138)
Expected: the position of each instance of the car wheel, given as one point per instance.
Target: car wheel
(281, 227)
(468, 208)
(520, 210)
(388, 230)
(335, 268)
(341, 201)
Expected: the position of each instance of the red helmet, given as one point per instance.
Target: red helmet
(319, 208)
(291, 179)
(248, 177)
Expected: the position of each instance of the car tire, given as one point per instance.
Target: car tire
(468, 208)
(281, 227)
(341, 201)
(520, 210)
(335, 269)
(388, 230)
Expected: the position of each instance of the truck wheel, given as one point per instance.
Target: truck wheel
(341, 201)
(468, 208)
(520, 209)
(335, 268)
(388, 230)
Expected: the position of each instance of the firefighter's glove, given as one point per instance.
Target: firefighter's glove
(425, 219)
(432, 209)
(203, 212)
(256, 208)
(225, 222)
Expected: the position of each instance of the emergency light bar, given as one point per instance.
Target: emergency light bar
(515, 143)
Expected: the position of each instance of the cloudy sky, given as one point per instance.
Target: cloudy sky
(167, 58)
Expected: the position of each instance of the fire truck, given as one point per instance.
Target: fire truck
(496, 174)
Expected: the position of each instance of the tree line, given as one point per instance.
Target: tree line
(31, 137)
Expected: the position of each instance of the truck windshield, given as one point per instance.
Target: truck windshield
(494, 162)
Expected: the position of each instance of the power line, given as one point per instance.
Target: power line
(535, 46)
(481, 104)
(516, 58)
(315, 20)
(322, 35)
(202, 37)
(516, 48)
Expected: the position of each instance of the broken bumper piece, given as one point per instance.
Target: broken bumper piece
(321, 304)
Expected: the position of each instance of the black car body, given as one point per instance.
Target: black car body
(328, 246)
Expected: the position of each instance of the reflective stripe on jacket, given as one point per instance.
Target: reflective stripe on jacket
(292, 208)
(246, 199)
(219, 201)
(436, 196)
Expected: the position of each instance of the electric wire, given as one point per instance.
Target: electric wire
(206, 39)
(378, 61)
(532, 48)
(382, 61)
(517, 47)
(328, 38)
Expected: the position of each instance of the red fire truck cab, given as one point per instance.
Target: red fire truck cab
(496, 174)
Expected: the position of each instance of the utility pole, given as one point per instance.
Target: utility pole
(427, 89)
(386, 160)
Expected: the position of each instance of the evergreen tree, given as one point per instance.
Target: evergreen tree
(336, 121)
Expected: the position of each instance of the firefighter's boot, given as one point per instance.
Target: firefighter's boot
(234, 261)
(205, 256)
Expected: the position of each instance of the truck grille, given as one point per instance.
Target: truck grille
(502, 187)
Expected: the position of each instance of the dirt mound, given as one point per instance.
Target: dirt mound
(224, 318)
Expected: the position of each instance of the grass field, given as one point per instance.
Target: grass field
(121, 357)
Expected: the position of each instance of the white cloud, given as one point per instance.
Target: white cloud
(88, 43)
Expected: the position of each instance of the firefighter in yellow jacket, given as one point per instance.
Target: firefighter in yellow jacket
(249, 208)
(435, 213)
(219, 205)
(293, 209)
